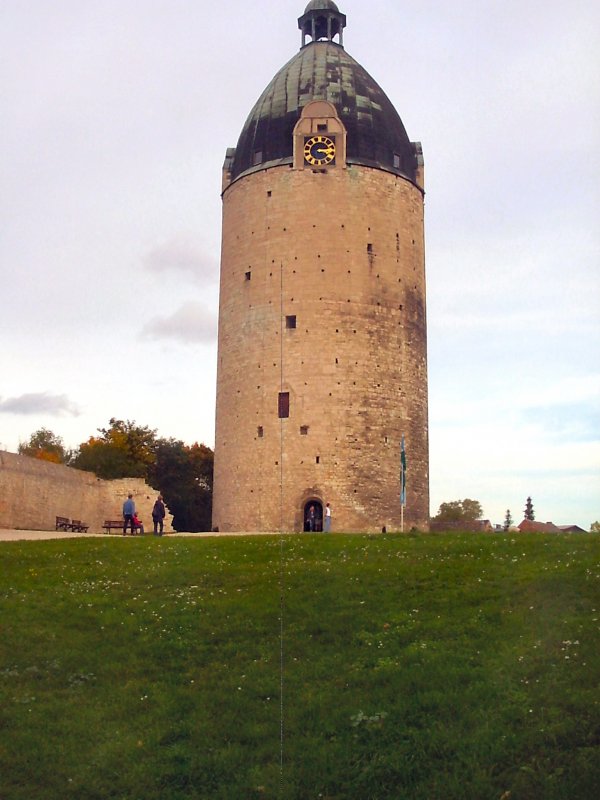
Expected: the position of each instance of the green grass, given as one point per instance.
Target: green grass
(454, 666)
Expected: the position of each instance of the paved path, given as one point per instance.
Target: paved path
(15, 536)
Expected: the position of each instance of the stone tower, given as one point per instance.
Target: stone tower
(322, 357)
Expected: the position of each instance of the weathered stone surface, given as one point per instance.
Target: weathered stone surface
(33, 493)
(342, 251)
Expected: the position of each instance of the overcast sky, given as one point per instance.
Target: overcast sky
(115, 119)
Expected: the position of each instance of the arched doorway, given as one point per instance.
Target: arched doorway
(317, 516)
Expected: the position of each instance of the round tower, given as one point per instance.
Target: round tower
(322, 357)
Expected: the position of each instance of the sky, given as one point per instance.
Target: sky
(116, 115)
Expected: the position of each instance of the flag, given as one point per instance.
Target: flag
(402, 474)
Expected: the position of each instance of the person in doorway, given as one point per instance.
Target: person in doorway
(327, 527)
(128, 512)
(312, 519)
(158, 516)
(137, 522)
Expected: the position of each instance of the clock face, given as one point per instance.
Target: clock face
(319, 150)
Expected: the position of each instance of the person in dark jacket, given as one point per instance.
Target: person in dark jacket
(158, 516)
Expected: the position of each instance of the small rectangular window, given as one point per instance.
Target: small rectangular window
(290, 321)
(396, 161)
(304, 430)
(257, 157)
(318, 459)
(322, 126)
(260, 432)
(369, 248)
(284, 405)
(248, 275)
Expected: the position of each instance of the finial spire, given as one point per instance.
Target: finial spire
(322, 20)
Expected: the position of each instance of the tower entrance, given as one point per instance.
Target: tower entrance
(313, 521)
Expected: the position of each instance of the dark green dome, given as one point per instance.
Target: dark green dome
(320, 5)
(322, 70)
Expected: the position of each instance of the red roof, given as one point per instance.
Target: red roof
(531, 526)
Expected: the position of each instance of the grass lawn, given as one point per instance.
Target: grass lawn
(334, 667)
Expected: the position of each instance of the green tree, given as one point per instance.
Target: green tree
(529, 510)
(508, 520)
(104, 459)
(123, 450)
(457, 515)
(595, 527)
(184, 476)
(45, 445)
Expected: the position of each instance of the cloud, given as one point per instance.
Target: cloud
(568, 410)
(181, 254)
(515, 459)
(583, 388)
(576, 422)
(192, 323)
(55, 405)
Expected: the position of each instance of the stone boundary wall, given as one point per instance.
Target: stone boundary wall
(34, 492)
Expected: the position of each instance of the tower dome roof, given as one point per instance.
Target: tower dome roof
(318, 5)
(323, 70)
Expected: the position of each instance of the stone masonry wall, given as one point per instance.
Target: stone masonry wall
(33, 493)
(323, 297)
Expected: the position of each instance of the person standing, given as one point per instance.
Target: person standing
(311, 519)
(158, 516)
(327, 527)
(128, 514)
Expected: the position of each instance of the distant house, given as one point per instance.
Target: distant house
(571, 529)
(484, 525)
(531, 526)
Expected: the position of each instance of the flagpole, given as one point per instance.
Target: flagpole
(402, 483)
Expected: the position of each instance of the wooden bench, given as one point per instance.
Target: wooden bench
(117, 524)
(78, 525)
(109, 524)
(63, 524)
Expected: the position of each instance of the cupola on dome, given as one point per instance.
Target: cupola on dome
(323, 70)
(319, 5)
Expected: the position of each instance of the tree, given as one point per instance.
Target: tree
(457, 515)
(46, 446)
(139, 442)
(124, 450)
(103, 458)
(184, 476)
(595, 527)
(508, 520)
(529, 510)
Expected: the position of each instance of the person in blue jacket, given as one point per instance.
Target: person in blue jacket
(128, 512)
